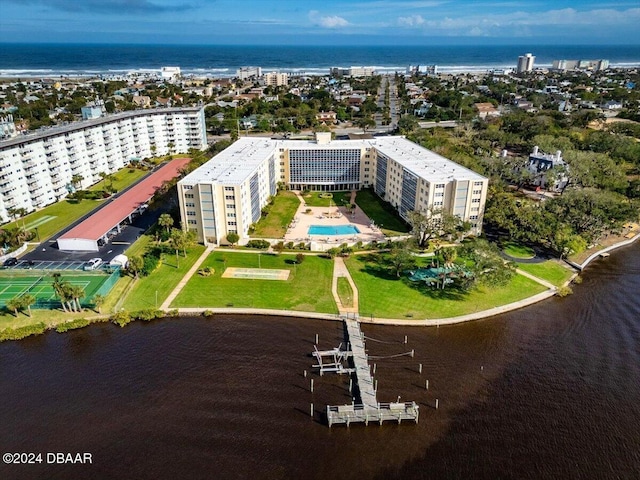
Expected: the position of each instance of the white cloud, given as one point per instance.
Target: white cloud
(327, 21)
(488, 23)
(411, 21)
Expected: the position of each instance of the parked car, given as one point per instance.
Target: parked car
(10, 262)
(92, 264)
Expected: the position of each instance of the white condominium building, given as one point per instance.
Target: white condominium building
(228, 193)
(37, 169)
(525, 63)
(275, 79)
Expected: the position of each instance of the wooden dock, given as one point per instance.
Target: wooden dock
(368, 409)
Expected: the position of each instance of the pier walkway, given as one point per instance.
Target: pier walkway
(368, 409)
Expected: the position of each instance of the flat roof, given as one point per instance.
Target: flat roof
(98, 224)
(422, 162)
(237, 162)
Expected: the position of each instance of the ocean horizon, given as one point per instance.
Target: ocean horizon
(81, 60)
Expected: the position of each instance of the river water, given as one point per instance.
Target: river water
(551, 391)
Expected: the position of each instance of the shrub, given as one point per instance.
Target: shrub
(564, 291)
(289, 245)
(72, 325)
(260, 244)
(148, 314)
(206, 272)
(308, 211)
(300, 258)
(121, 318)
(577, 280)
(302, 246)
(150, 264)
(173, 313)
(22, 332)
(208, 313)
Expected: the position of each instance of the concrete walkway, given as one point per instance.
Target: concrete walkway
(340, 270)
(185, 279)
(550, 286)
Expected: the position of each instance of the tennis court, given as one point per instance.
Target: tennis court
(41, 287)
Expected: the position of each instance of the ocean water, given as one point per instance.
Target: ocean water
(52, 60)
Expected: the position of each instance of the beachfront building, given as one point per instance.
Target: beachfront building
(525, 63)
(276, 79)
(44, 167)
(227, 193)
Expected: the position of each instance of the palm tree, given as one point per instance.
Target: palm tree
(77, 180)
(14, 304)
(166, 221)
(76, 292)
(98, 301)
(26, 301)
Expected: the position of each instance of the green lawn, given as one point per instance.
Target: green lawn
(122, 178)
(551, 271)
(313, 199)
(307, 289)
(345, 292)
(405, 299)
(275, 224)
(163, 280)
(57, 216)
(517, 250)
(381, 213)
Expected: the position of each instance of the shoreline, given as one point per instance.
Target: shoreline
(437, 322)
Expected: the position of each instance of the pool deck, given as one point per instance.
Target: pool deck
(298, 231)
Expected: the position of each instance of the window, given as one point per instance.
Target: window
(437, 204)
(231, 215)
(473, 217)
(188, 195)
(231, 224)
(477, 192)
(192, 222)
(190, 204)
(188, 187)
(231, 206)
(191, 213)
(440, 185)
(229, 197)
(475, 209)
(475, 200)
(477, 184)
(439, 194)
(228, 189)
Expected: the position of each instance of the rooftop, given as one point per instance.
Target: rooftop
(98, 224)
(239, 161)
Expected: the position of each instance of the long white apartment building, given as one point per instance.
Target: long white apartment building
(227, 193)
(37, 169)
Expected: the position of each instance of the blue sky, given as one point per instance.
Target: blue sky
(331, 22)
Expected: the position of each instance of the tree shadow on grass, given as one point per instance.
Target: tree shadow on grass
(451, 292)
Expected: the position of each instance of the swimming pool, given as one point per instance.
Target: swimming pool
(333, 230)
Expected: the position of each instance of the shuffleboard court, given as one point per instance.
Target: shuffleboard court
(256, 273)
(40, 221)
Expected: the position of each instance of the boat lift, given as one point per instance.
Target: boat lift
(332, 361)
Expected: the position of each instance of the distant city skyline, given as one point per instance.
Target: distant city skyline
(312, 22)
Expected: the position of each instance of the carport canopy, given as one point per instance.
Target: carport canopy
(85, 235)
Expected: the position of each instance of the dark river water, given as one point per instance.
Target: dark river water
(548, 392)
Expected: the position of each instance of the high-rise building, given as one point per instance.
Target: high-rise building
(37, 169)
(525, 63)
(227, 193)
(275, 79)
